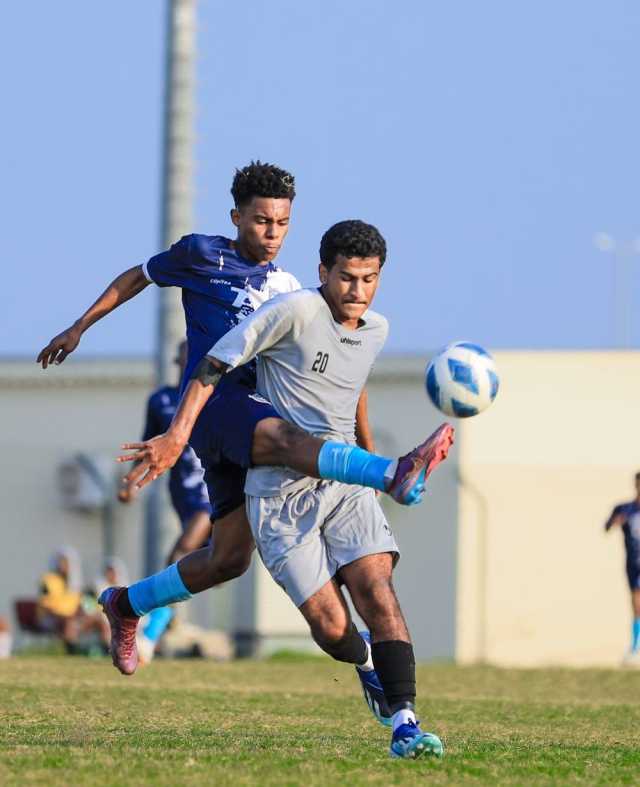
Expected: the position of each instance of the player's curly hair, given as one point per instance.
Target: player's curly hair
(262, 180)
(352, 238)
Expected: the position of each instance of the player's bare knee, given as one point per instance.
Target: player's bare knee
(329, 634)
(232, 563)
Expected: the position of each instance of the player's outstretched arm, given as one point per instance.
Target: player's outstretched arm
(256, 333)
(122, 288)
(364, 435)
(617, 519)
(160, 453)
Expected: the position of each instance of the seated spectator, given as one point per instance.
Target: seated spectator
(60, 609)
(114, 573)
(5, 638)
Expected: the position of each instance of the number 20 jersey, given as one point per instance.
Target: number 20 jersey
(310, 368)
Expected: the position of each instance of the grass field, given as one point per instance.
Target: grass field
(71, 721)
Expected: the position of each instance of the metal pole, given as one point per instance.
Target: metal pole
(622, 258)
(176, 220)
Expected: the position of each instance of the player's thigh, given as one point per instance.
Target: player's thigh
(232, 543)
(364, 549)
(327, 613)
(278, 442)
(357, 528)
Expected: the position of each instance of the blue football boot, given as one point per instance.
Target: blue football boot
(408, 741)
(372, 690)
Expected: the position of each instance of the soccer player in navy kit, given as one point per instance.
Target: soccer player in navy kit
(223, 281)
(315, 349)
(187, 489)
(189, 498)
(627, 517)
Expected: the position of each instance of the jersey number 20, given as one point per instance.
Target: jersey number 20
(320, 363)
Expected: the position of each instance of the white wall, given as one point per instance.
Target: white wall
(48, 416)
(551, 457)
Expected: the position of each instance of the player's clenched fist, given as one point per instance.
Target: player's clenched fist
(59, 347)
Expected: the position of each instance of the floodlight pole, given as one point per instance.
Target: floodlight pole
(622, 257)
(176, 220)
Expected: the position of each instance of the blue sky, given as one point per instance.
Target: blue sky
(488, 141)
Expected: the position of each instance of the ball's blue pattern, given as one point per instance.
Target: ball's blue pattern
(463, 410)
(461, 380)
(463, 373)
(474, 348)
(433, 388)
(495, 383)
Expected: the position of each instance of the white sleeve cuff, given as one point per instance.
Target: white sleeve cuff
(145, 270)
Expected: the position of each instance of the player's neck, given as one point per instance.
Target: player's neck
(244, 252)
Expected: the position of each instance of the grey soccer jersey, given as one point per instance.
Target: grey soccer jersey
(310, 368)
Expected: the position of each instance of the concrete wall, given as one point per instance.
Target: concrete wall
(538, 580)
(425, 578)
(46, 417)
(506, 560)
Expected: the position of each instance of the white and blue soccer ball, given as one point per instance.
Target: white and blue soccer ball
(462, 380)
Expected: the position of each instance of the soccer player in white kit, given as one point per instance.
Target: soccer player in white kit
(315, 348)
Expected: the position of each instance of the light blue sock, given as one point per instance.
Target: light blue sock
(635, 635)
(353, 465)
(158, 590)
(159, 619)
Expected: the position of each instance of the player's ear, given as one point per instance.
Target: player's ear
(235, 217)
(323, 273)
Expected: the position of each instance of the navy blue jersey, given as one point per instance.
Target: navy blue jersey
(219, 288)
(186, 476)
(630, 528)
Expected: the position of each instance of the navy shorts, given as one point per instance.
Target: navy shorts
(222, 439)
(633, 575)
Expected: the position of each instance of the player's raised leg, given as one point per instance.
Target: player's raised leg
(277, 442)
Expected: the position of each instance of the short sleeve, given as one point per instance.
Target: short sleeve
(283, 316)
(167, 268)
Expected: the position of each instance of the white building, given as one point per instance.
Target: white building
(506, 561)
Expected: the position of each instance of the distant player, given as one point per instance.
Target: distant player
(627, 517)
(188, 493)
(315, 349)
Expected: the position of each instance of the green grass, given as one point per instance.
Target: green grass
(72, 721)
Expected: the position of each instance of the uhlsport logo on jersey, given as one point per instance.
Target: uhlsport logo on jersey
(351, 342)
